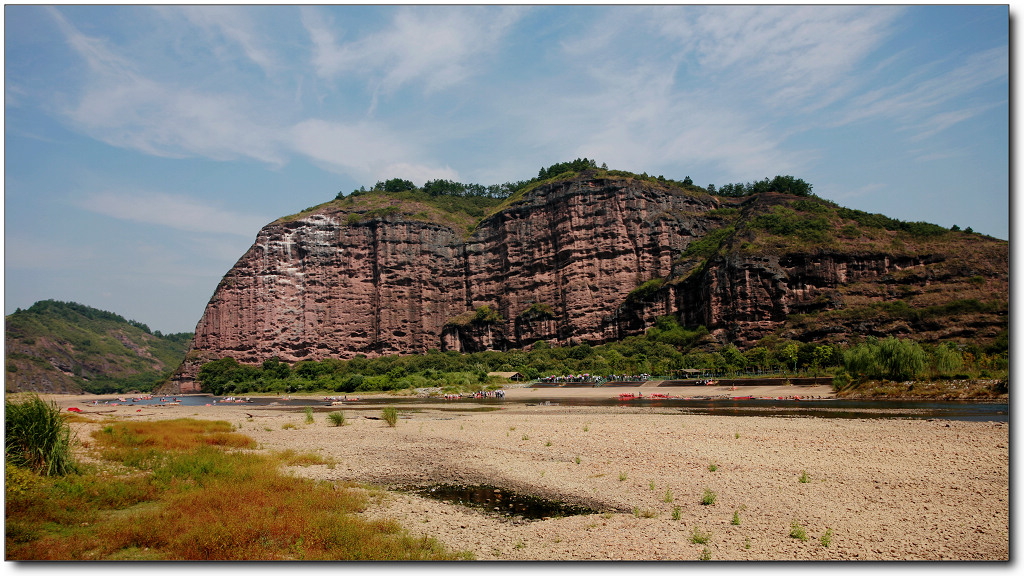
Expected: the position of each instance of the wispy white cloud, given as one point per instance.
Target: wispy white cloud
(123, 107)
(237, 26)
(172, 210)
(438, 47)
(790, 56)
(927, 103)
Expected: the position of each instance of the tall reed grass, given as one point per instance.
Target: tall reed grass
(37, 437)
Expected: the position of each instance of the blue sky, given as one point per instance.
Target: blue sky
(145, 146)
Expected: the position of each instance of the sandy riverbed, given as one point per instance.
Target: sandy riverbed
(887, 489)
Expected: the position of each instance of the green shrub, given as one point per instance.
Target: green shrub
(709, 245)
(699, 537)
(37, 437)
(645, 290)
(708, 498)
(309, 414)
(390, 415)
(797, 531)
(336, 418)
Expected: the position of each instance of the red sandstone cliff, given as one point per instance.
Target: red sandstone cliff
(371, 275)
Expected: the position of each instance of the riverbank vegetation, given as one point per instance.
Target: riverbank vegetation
(191, 490)
(666, 350)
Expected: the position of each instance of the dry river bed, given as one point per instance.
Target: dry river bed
(883, 489)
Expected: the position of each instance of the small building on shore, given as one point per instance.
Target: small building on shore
(513, 376)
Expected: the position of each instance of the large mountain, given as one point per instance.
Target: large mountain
(65, 347)
(593, 256)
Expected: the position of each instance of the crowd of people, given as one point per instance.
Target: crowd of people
(572, 378)
(477, 395)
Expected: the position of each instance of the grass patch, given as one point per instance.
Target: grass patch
(336, 418)
(645, 513)
(390, 415)
(708, 498)
(712, 467)
(37, 437)
(804, 478)
(309, 414)
(622, 476)
(668, 498)
(705, 555)
(290, 457)
(193, 497)
(735, 518)
(797, 531)
(826, 538)
(697, 536)
(676, 513)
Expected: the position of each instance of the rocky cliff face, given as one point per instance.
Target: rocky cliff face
(592, 258)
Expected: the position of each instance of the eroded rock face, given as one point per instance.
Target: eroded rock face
(324, 285)
(332, 283)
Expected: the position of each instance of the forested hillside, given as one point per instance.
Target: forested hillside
(66, 347)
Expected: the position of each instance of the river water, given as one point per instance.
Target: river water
(830, 408)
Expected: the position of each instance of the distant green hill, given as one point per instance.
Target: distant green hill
(65, 347)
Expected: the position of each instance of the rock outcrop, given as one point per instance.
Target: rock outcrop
(589, 259)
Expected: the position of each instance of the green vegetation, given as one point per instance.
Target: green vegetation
(788, 222)
(537, 311)
(677, 513)
(797, 531)
(668, 498)
(804, 478)
(309, 414)
(645, 290)
(99, 351)
(710, 244)
(644, 513)
(735, 518)
(891, 359)
(478, 316)
(708, 498)
(878, 221)
(780, 184)
(336, 418)
(826, 538)
(390, 415)
(37, 438)
(176, 490)
(698, 536)
(664, 350)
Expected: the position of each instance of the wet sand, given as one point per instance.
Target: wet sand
(885, 489)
